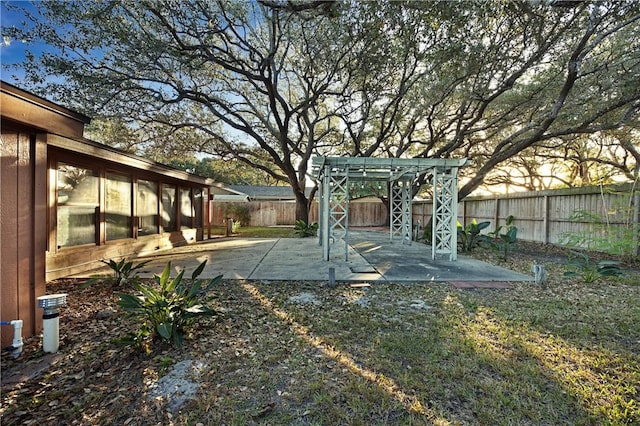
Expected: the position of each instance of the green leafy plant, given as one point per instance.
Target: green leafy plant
(581, 265)
(470, 236)
(240, 213)
(302, 229)
(505, 237)
(610, 228)
(167, 309)
(124, 273)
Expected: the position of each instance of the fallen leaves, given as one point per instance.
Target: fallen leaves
(302, 353)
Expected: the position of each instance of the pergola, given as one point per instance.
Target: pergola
(335, 174)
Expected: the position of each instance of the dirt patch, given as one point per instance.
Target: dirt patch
(481, 284)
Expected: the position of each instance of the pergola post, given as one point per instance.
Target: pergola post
(445, 213)
(407, 213)
(324, 217)
(339, 208)
(395, 210)
(400, 214)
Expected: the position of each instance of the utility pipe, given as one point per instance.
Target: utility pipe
(51, 320)
(16, 347)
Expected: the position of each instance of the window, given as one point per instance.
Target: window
(186, 208)
(168, 208)
(198, 197)
(78, 205)
(118, 206)
(147, 204)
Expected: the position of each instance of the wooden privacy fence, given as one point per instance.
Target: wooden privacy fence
(608, 213)
(281, 213)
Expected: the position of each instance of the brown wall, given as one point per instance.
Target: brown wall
(74, 260)
(22, 229)
(35, 134)
(82, 259)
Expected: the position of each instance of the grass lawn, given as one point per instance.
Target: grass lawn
(259, 232)
(301, 353)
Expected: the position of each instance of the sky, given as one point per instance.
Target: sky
(13, 51)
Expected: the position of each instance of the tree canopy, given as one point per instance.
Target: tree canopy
(272, 83)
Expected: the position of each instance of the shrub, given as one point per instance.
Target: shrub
(470, 237)
(167, 309)
(302, 229)
(581, 265)
(505, 241)
(240, 213)
(124, 273)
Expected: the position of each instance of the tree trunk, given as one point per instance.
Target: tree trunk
(302, 208)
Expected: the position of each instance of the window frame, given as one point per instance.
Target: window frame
(101, 171)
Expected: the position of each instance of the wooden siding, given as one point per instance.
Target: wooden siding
(34, 133)
(37, 113)
(79, 259)
(22, 198)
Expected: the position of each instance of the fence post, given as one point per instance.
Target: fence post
(545, 219)
(636, 221)
(464, 213)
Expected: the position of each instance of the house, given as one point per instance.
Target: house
(67, 202)
(243, 193)
(222, 193)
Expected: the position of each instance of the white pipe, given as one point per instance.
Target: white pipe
(17, 338)
(16, 348)
(51, 332)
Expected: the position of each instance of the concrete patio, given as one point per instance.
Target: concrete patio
(372, 257)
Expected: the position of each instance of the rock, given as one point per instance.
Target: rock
(305, 298)
(179, 385)
(105, 314)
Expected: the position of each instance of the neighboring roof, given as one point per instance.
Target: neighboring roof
(264, 192)
(273, 193)
(223, 193)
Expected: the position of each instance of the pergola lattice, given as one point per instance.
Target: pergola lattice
(334, 174)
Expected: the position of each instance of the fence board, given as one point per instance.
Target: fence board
(283, 213)
(548, 216)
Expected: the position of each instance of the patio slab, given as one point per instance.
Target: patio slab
(372, 257)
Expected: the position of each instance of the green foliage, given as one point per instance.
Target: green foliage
(470, 237)
(266, 232)
(581, 265)
(602, 236)
(240, 213)
(124, 273)
(303, 230)
(427, 235)
(167, 309)
(504, 237)
(226, 171)
(371, 46)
